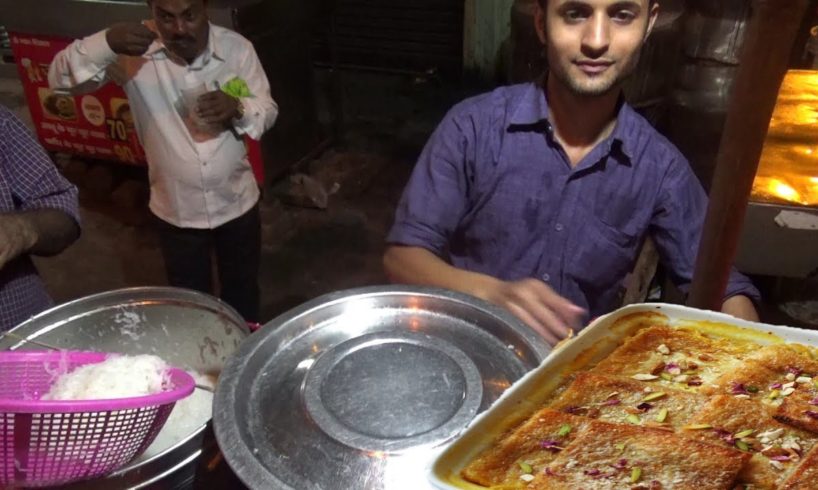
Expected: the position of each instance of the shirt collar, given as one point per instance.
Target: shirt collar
(532, 111)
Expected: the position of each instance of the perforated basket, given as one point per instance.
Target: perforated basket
(45, 443)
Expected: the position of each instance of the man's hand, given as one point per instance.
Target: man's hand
(539, 306)
(129, 38)
(217, 107)
(17, 237)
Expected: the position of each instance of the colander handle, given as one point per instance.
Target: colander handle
(253, 326)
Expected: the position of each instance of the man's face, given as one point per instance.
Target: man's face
(182, 25)
(592, 45)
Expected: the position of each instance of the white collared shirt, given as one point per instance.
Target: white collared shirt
(196, 181)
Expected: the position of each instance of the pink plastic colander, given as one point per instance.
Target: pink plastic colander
(44, 443)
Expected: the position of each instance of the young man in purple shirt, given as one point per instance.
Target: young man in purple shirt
(537, 197)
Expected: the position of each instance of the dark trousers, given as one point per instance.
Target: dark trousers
(237, 246)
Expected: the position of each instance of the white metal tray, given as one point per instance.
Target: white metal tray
(599, 339)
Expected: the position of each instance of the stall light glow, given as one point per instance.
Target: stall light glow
(784, 191)
(786, 170)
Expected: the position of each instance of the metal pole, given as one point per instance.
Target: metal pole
(770, 36)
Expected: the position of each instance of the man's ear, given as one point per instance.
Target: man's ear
(653, 14)
(539, 22)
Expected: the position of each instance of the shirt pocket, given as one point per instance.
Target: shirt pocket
(603, 256)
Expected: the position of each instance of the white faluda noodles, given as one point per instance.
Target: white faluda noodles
(187, 416)
(123, 376)
(119, 376)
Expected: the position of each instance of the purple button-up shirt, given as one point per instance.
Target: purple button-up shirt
(28, 181)
(494, 192)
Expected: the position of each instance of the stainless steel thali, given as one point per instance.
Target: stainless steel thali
(362, 388)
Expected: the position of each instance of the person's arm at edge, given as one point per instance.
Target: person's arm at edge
(740, 306)
(42, 232)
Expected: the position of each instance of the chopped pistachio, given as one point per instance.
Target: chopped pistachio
(526, 467)
(742, 396)
(636, 474)
(790, 376)
(527, 477)
(654, 396)
(776, 464)
(774, 394)
(788, 385)
(803, 379)
(565, 429)
(742, 445)
(751, 389)
(620, 446)
(698, 427)
(682, 378)
(663, 349)
(634, 419)
(743, 433)
(662, 416)
(787, 391)
(644, 377)
(666, 376)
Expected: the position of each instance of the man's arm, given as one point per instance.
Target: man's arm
(258, 109)
(740, 306)
(530, 300)
(46, 218)
(39, 232)
(83, 65)
(676, 228)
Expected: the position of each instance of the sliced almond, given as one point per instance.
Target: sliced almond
(644, 377)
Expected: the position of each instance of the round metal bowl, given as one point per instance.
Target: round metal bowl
(186, 328)
(361, 388)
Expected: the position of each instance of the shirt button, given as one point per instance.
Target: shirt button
(204, 164)
(558, 227)
(546, 277)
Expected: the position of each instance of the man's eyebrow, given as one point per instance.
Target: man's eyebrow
(627, 4)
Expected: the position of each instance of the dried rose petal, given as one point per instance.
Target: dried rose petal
(794, 370)
(725, 436)
(574, 410)
(592, 472)
(780, 458)
(776, 386)
(549, 472)
(550, 445)
(612, 401)
(811, 414)
(621, 464)
(738, 389)
(814, 401)
(695, 381)
(644, 406)
(673, 368)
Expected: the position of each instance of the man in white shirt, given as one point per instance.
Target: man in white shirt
(176, 70)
